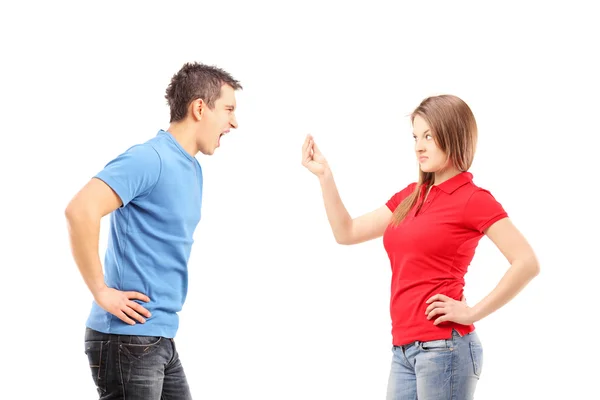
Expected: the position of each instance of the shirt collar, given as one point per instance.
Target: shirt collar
(455, 182)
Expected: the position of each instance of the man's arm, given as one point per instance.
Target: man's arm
(84, 212)
(95, 200)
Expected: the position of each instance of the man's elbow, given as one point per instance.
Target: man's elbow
(73, 210)
(70, 211)
(76, 211)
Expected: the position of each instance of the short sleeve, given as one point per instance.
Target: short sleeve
(396, 199)
(482, 210)
(133, 173)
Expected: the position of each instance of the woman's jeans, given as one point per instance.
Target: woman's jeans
(445, 369)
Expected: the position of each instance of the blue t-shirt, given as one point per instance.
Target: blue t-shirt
(151, 234)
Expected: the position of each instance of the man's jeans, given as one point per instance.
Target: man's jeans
(135, 367)
(446, 369)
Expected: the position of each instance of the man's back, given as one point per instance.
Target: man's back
(151, 235)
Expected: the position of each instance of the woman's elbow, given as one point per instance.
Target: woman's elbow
(533, 266)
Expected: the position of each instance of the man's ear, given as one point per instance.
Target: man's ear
(197, 109)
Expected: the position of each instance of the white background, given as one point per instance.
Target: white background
(276, 309)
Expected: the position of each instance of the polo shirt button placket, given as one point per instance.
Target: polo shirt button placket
(431, 192)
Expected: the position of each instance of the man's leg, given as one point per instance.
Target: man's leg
(127, 367)
(175, 385)
(96, 349)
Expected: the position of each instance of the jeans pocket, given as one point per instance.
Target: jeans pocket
(476, 357)
(140, 346)
(97, 354)
(436, 345)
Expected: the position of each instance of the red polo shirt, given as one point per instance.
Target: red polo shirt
(431, 250)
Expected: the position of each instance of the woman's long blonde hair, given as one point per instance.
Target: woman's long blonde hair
(454, 130)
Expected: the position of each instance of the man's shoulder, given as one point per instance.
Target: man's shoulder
(163, 146)
(155, 149)
(141, 155)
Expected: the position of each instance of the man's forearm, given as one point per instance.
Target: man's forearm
(84, 233)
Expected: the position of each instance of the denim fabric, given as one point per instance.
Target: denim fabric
(447, 369)
(135, 367)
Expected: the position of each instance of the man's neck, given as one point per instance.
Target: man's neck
(185, 136)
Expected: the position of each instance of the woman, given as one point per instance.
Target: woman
(430, 231)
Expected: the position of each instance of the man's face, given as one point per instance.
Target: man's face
(217, 121)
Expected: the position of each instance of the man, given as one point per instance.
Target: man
(154, 194)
